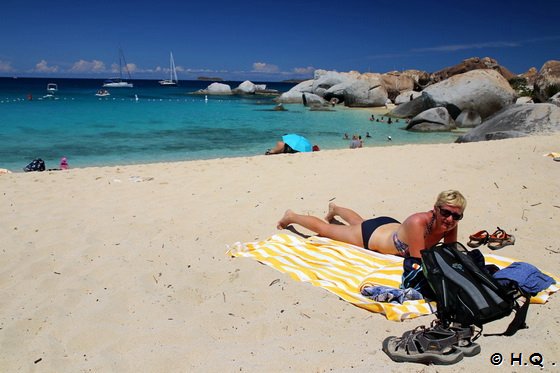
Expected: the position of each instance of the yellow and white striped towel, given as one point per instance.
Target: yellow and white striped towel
(344, 269)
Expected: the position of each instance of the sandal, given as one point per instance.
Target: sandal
(426, 346)
(464, 342)
(499, 239)
(478, 238)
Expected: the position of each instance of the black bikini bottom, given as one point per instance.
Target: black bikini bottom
(369, 226)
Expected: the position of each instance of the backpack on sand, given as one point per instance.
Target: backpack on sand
(466, 293)
(35, 165)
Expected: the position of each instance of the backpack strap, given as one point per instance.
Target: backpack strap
(518, 321)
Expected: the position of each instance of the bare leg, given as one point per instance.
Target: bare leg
(348, 215)
(346, 233)
(278, 149)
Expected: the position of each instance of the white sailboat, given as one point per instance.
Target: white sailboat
(172, 81)
(119, 82)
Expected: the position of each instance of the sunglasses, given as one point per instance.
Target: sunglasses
(446, 213)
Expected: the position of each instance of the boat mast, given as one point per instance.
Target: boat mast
(125, 64)
(173, 72)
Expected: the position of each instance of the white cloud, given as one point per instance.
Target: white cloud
(6, 67)
(82, 66)
(263, 67)
(130, 66)
(457, 47)
(166, 70)
(489, 44)
(304, 70)
(43, 67)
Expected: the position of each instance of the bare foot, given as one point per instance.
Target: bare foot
(286, 220)
(330, 215)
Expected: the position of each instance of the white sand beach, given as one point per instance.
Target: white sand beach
(123, 269)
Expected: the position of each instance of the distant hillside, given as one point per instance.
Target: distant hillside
(296, 81)
(208, 78)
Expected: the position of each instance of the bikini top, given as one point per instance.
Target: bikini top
(401, 247)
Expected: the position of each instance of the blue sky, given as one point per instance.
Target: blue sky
(264, 40)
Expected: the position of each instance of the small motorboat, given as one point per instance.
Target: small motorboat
(52, 88)
(102, 93)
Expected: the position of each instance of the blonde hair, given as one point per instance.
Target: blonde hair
(452, 198)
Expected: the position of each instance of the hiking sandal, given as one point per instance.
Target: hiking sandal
(464, 342)
(499, 239)
(478, 238)
(425, 346)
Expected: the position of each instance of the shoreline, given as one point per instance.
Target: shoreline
(124, 267)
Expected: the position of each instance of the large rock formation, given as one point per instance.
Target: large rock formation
(547, 82)
(555, 99)
(467, 95)
(313, 100)
(529, 76)
(406, 96)
(246, 87)
(515, 121)
(295, 95)
(485, 91)
(421, 78)
(332, 84)
(365, 93)
(473, 63)
(412, 108)
(326, 79)
(218, 89)
(468, 119)
(396, 82)
(431, 120)
(352, 89)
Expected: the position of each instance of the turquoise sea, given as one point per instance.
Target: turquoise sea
(166, 124)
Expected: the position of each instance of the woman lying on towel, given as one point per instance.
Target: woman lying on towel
(387, 235)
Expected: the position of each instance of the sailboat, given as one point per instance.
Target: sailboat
(119, 82)
(172, 81)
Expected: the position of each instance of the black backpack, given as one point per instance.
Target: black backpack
(465, 291)
(35, 165)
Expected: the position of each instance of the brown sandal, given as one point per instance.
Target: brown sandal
(478, 238)
(499, 239)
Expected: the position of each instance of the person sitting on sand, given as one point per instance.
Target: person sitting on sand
(64, 164)
(387, 235)
(355, 144)
(281, 147)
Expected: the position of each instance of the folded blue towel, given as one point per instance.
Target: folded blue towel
(391, 295)
(528, 277)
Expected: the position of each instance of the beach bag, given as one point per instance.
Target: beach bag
(35, 165)
(466, 293)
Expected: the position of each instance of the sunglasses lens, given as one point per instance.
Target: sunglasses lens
(446, 213)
